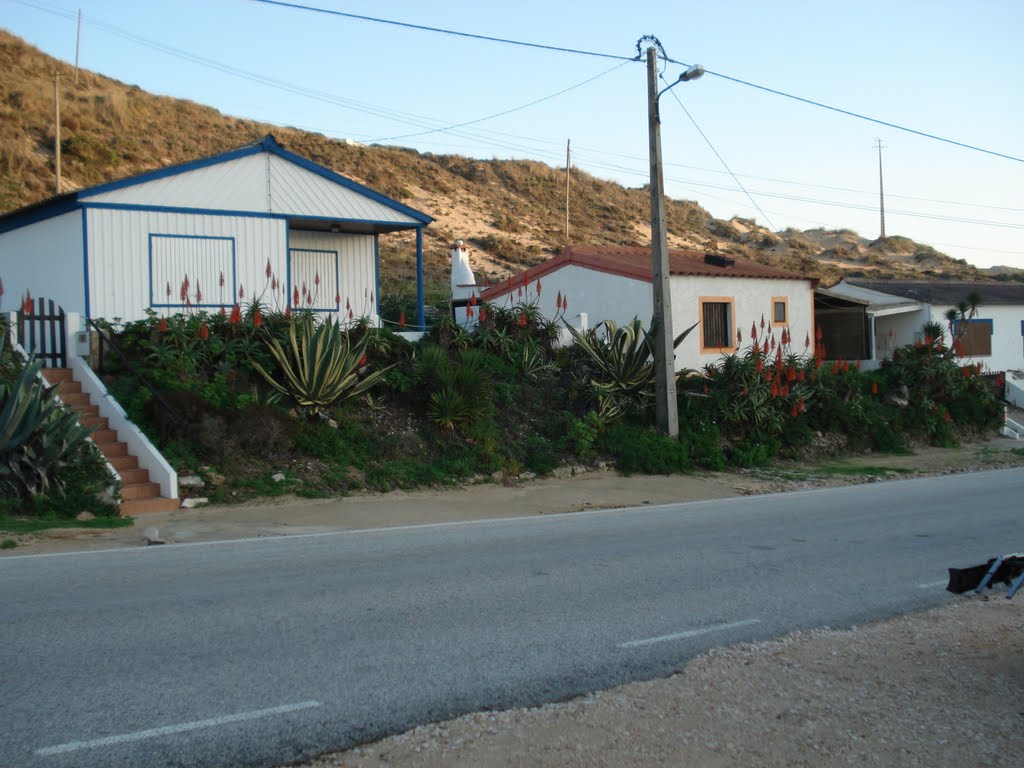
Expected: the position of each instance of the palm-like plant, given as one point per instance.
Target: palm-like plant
(624, 360)
(320, 364)
(39, 437)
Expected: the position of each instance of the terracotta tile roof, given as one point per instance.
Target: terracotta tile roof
(635, 263)
(945, 292)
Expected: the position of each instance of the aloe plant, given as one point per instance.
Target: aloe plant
(320, 364)
(624, 359)
(39, 437)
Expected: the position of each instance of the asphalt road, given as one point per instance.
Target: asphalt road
(265, 651)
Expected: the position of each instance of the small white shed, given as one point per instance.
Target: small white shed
(224, 222)
(724, 295)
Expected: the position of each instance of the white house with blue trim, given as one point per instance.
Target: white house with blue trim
(119, 249)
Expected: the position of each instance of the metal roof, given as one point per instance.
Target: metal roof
(944, 292)
(635, 263)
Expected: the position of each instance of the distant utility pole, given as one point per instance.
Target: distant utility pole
(56, 126)
(881, 187)
(567, 161)
(78, 43)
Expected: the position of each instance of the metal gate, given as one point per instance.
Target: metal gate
(42, 331)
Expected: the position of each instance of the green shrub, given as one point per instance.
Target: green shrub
(582, 436)
(641, 449)
(753, 452)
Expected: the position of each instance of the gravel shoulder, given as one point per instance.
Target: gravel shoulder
(940, 688)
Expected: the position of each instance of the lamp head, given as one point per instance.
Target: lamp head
(692, 73)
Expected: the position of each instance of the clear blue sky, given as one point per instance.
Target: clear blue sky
(948, 68)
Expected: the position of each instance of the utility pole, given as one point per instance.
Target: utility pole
(665, 406)
(881, 188)
(567, 160)
(78, 43)
(56, 126)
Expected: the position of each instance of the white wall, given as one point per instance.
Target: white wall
(357, 279)
(603, 296)
(752, 301)
(118, 250)
(600, 295)
(905, 328)
(45, 259)
(1007, 342)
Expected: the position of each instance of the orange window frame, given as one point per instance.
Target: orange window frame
(785, 302)
(731, 321)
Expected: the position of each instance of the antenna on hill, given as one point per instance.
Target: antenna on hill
(567, 166)
(881, 188)
(78, 43)
(56, 127)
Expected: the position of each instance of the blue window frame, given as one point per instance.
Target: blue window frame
(204, 260)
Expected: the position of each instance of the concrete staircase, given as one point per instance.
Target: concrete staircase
(139, 494)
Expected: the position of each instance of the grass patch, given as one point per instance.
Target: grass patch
(8, 544)
(10, 524)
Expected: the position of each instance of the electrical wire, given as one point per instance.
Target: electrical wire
(424, 28)
(857, 115)
(425, 122)
(873, 193)
(507, 111)
(721, 159)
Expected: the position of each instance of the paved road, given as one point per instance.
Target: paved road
(263, 651)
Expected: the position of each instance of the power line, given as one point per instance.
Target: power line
(722, 159)
(859, 116)
(507, 111)
(609, 153)
(424, 28)
(747, 83)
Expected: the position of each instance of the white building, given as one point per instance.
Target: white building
(223, 222)
(898, 310)
(725, 296)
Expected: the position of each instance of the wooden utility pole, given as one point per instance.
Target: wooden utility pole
(881, 187)
(567, 161)
(78, 43)
(56, 126)
(567, 165)
(665, 407)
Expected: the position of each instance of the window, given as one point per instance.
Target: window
(780, 310)
(315, 277)
(207, 263)
(975, 337)
(716, 326)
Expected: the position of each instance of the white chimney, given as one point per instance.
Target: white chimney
(463, 279)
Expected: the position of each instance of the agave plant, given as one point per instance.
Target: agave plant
(320, 364)
(39, 437)
(624, 359)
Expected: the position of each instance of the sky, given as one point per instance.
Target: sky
(950, 69)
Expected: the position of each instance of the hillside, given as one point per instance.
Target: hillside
(511, 212)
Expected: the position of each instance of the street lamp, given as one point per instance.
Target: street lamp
(665, 407)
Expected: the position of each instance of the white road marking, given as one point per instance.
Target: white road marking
(689, 633)
(74, 746)
(933, 584)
